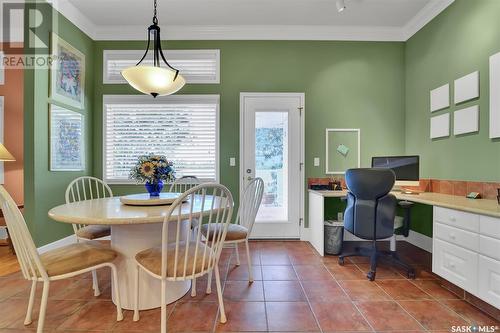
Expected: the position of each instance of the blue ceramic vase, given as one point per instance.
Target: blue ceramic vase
(154, 189)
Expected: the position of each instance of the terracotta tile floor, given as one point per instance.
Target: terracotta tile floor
(294, 290)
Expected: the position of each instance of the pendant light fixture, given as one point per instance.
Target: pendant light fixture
(154, 80)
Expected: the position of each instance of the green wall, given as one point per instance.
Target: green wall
(457, 42)
(346, 85)
(45, 189)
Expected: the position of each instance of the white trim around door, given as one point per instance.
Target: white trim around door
(301, 111)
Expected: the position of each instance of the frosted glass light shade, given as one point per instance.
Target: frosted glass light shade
(153, 80)
(5, 155)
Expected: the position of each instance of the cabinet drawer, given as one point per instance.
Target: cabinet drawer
(462, 238)
(458, 219)
(455, 264)
(489, 226)
(489, 281)
(489, 247)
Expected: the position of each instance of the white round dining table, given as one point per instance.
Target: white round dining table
(133, 229)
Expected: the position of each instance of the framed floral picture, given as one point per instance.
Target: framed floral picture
(67, 151)
(67, 78)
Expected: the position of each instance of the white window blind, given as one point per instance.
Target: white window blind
(197, 66)
(184, 128)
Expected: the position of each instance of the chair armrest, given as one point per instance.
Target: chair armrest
(406, 205)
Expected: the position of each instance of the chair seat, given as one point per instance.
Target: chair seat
(151, 259)
(94, 231)
(74, 257)
(234, 231)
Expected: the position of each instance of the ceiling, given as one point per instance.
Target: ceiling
(254, 19)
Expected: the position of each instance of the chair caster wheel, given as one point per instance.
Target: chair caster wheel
(411, 274)
(341, 261)
(371, 275)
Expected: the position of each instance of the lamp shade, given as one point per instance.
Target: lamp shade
(5, 155)
(153, 80)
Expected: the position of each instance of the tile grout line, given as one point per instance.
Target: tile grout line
(305, 294)
(263, 291)
(350, 298)
(397, 302)
(440, 301)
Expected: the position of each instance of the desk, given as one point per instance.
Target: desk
(316, 208)
(465, 243)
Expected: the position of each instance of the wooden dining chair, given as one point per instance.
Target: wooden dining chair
(62, 263)
(88, 188)
(182, 255)
(184, 183)
(240, 231)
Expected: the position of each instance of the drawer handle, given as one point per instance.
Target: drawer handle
(452, 265)
(452, 236)
(453, 219)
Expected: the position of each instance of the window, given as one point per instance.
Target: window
(197, 66)
(185, 128)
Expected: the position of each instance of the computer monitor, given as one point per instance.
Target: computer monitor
(406, 168)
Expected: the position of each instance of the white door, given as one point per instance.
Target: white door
(271, 145)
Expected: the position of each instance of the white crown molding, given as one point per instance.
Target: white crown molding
(424, 16)
(251, 32)
(74, 15)
(256, 32)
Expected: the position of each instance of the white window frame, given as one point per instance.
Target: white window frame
(136, 55)
(145, 99)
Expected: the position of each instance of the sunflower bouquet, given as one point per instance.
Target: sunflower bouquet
(152, 170)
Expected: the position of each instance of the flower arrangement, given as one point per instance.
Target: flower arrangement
(152, 170)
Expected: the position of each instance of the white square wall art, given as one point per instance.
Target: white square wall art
(440, 126)
(495, 96)
(466, 120)
(440, 98)
(467, 87)
(67, 151)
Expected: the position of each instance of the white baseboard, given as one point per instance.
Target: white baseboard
(419, 240)
(58, 243)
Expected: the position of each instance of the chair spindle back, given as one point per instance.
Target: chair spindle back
(250, 203)
(26, 251)
(86, 188)
(184, 183)
(208, 203)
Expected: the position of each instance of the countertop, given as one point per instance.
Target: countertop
(477, 206)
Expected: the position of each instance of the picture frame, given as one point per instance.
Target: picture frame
(343, 150)
(2, 69)
(67, 144)
(2, 179)
(67, 73)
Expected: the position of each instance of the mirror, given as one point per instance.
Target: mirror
(342, 150)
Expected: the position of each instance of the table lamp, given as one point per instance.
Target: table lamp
(5, 155)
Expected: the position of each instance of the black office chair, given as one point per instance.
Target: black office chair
(370, 214)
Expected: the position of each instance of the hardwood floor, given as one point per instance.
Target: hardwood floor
(8, 261)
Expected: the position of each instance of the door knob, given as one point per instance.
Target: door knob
(249, 178)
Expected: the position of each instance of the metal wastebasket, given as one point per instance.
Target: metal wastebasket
(334, 236)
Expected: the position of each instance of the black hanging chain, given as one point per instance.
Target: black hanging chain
(155, 19)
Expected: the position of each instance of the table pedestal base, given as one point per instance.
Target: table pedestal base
(128, 240)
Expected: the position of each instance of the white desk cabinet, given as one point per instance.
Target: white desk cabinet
(466, 252)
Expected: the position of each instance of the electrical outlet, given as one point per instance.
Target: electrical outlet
(232, 161)
(316, 161)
